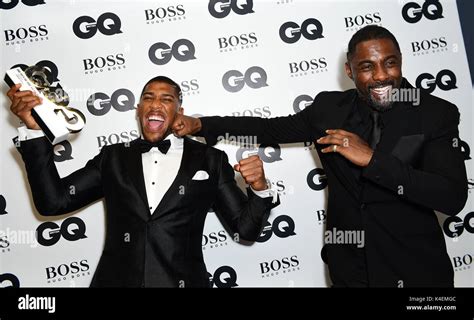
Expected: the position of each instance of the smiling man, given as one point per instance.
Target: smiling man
(157, 192)
(389, 165)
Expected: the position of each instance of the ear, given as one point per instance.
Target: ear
(180, 110)
(348, 70)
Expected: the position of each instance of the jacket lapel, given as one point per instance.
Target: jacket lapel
(133, 163)
(338, 163)
(193, 156)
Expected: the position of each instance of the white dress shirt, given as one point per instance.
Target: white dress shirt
(159, 170)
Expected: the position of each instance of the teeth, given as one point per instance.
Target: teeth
(382, 90)
(155, 118)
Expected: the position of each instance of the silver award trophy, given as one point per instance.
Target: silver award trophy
(55, 118)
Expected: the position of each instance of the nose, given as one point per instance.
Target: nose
(380, 73)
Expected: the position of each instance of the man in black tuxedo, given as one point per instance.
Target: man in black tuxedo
(157, 191)
(389, 165)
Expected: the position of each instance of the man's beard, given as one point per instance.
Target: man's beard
(385, 102)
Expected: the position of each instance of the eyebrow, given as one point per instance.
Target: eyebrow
(149, 93)
(370, 61)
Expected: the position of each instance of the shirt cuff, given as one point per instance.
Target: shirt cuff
(269, 192)
(27, 134)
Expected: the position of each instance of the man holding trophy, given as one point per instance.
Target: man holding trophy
(157, 191)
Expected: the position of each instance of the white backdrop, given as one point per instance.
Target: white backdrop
(118, 45)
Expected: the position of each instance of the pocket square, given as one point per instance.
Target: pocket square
(201, 175)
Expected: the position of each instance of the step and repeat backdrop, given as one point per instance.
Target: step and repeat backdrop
(260, 58)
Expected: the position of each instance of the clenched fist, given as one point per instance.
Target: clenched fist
(184, 125)
(22, 103)
(251, 170)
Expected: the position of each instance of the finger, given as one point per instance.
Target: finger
(330, 140)
(249, 159)
(13, 89)
(252, 178)
(251, 166)
(335, 135)
(330, 149)
(24, 93)
(339, 131)
(237, 167)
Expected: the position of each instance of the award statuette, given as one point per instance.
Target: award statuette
(52, 115)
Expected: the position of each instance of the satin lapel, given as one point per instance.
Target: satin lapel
(133, 163)
(338, 163)
(193, 156)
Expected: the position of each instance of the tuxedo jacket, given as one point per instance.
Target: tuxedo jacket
(143, 250)
(416, 168)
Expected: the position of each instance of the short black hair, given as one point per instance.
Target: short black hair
(370, 32)
(168, 81)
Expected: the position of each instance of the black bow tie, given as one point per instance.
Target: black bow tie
(145, 146)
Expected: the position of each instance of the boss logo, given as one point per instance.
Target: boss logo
(122, 137)
(182, 50)
(10, 4)
(462, 262)
(175, 12)
(262, 112)
(72, 229)
(445, 80)
(412, 12)
(362, 20)
(234, 81)
(189, 87)
(311, 29)
(301, 102)
(99, 63)
(73, 269)
(223, 277)
(313, 65)
(121, 100)
(221, 8)
(425, 45)
(86, 27)
(283, 227)
(285, 264)
(242, 40)
(32, 33)
(454, 226)
(317, 179)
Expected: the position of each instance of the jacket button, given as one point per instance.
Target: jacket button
(362, 205)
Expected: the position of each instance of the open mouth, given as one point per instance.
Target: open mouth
(154, 122)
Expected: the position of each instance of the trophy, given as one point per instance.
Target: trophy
(54, 117)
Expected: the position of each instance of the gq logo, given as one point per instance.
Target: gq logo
(182, 50)
(8, 280)
(412, 12)
(10, 4)
(86, 27)
(224, 277)
(51, 70)
(301, 102)
(234, 81)
(319, 175)
(466, 150)
(283, 227)
(54, 232)
(3, 205)
(121, 100)
(445, 80)
(311, 29)
(454, 226)
(62, 151)
(267, 152)
(221, 8)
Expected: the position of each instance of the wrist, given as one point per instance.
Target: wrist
(260, 185)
